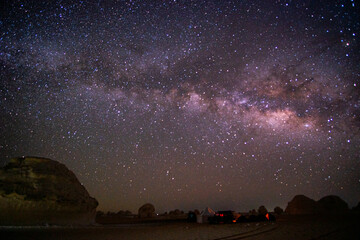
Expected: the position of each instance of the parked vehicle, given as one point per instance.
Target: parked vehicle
(256, 218)
(224, 217)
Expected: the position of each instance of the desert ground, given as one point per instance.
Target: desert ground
(286, 227)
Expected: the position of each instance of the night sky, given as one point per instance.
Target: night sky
(186, 104)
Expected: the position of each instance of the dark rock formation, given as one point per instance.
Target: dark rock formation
(326, 205)
(124, 213)
(356, 208)
(262, 210)
(176, 212)
(146, 211)
(278, 210)
(37, 191)
(332, 205)
(253, 212)
(301, 204)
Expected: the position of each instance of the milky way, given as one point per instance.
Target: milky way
(186, 104)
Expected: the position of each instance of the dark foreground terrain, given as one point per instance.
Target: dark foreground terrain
(287, 227)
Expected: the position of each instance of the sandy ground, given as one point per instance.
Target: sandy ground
(294, 228)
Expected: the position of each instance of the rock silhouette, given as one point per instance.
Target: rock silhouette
(301, 205)
(356, 208)
(37, 191)
(332, 205)
(278, 210)
(146, 211)
(176, 212)
(262, 210)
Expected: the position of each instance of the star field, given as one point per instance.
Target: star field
(186, 104)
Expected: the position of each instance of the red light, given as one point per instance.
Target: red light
(221, 215)
(267, 216)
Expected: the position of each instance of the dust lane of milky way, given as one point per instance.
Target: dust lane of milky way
(186, 104)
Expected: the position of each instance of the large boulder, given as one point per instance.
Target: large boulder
(147, 210)
(262, 210)
(356, 208)
(278, 210)
(38, 191)
(301, 205)
(332, 205)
